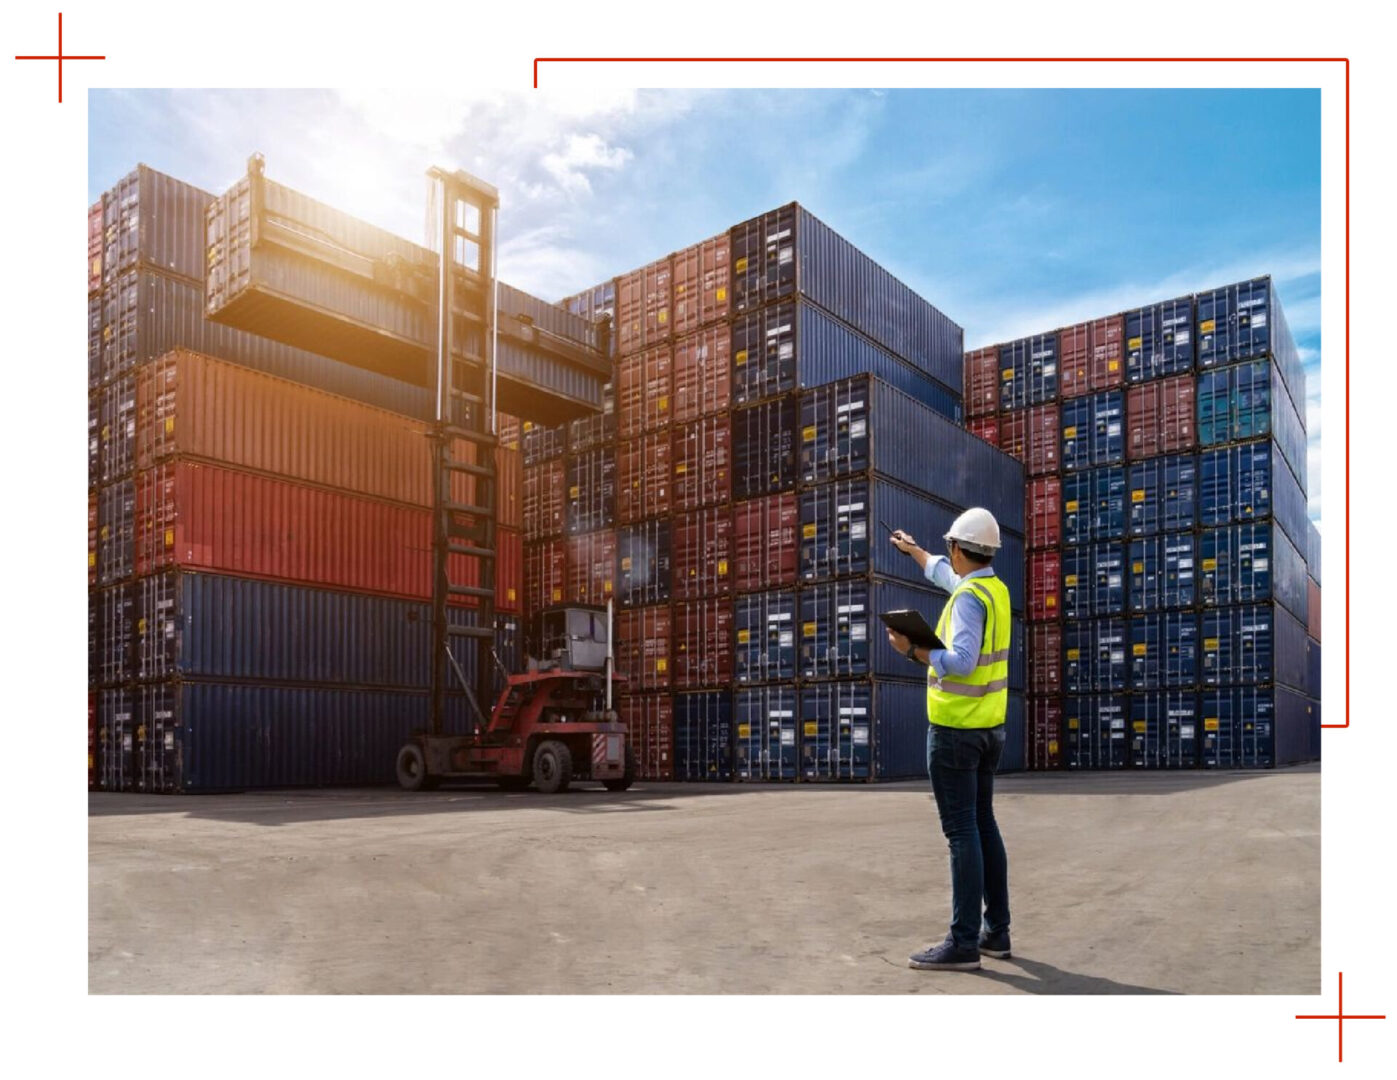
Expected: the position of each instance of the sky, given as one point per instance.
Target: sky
(1013, 211)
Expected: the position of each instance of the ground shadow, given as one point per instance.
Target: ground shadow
(1041, 978)
(1134, 781)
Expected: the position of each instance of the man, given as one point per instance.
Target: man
(967, 697)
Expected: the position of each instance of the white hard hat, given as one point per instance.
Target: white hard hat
(976, 531)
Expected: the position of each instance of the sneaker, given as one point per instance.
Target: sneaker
(996, 945)
(945, 957)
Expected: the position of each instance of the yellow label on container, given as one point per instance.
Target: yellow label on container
(512, 596)
(1050, 601)
(528, 425)
(1071, 505)
(663, 317)
(681, 468)
(812, 727)
(1138, 495)
(626, 563)
(169, 424)
(722, 294)
(606, 586)
(664, 403)
(1069, 433)
(722, 567)
(808, 629)
(740, 358)
(1135, 342)
(169, 537)
(740, 265)
(1113, 365)
(557, 596)
(744, 731)
(106, 432)
(661, 665)
(1138, 567)
(1070, 579)
(807, 531)
(1073, 724)
(808, 433)
(1210, 643)
(1007, 374)
(1210, 723)
(1074, 654)
(1207, 325)
(140, 626)
(1210, 564)
(106, 531)
(744, 636)
(573, 491)
(1052, 747)
(1141, 648)
(92, 558)
(89, 761)
(1140, 727)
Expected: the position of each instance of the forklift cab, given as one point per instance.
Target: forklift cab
(569, 638)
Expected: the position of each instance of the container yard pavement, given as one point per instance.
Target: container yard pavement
(1121, 883)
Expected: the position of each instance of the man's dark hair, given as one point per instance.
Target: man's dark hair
(975, 557)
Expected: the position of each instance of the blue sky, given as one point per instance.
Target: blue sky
(1013, 211)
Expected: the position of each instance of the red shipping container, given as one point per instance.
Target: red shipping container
(986, 427)
(982, 382)
(1043, 448)
(1043, 511)
(509, 572)
(509, 430)
(702, 552)
(94, 246)
(1159, 417)
(649, 720)
(643, 488)
(702, 374)
(92, 539)
(1013, 434)
(643, 300)
(701, 285)
(545, 499)
(703, 462)
(644, 388)
(591, 568)
(545, 574)
(1312, 626)
(766, 542)
(1045, 658)
(1044, 734)
(703, 643)
(509, 478)
(642, 650)
(1045, 585)
(1091, 356)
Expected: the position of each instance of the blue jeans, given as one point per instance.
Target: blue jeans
(961, 763)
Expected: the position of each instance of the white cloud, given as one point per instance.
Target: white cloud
(581, 153)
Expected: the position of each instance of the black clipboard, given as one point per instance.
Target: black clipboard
(910, 624)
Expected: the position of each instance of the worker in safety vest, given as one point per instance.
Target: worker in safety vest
(967, 694)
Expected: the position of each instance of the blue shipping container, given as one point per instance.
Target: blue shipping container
(1164, 730)
(116, 531)
(703, 735)
(1251, 727)
(764, 449)
(1243, 564)
(842, 636)
(1093, 505)
(153, 221)
(1254, 645)
(1028, 372)
(1094, 656)
(1164, 650)
(863, 730)
(1159, 340)
(1248, 483)
(1093, 431)
(1313, 669)
(643, 559)
(1163, 494)
(1249, 401)
(1162, 572)
(1094, 730)
(1015, 755)
(765, 625)
(118, 762)
(1093, 580)
(1313, 551)
(541, 442)
(1245, 320)
(766, 741)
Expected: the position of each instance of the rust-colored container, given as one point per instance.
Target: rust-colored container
(703, 462)
(643, 644)
(1312, 622)
(986, 427)
(701, 284)
(1091, 356)
(509, 572)
(591, 568)
(982, 382)
(766, 542)
(1043, 512)
(643, 300)
(1160, 417)
(703, 643)
(644, 391)
(1045, 658)
(1043, 447)
(94, 246)
(1045, 585)
(643, 488)
(509, 466)
(509, 430)
(649, 720)
(1013, 434)
(1044, 734)
(545, 573)
(702, 553)
(544, 499)
(702, 373)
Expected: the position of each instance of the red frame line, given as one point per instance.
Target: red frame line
(1074, 60)
(1341, 1017)
(60, 58)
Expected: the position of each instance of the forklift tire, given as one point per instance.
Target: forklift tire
(627, 778)
(552, 767)
(412, 769)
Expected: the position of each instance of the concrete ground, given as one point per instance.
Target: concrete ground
(1123, 883)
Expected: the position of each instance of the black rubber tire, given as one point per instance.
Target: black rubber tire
(627, 778)
(552, 767)
(412, 769)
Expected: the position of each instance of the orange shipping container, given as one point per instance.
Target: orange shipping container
(701, 284)
(702, 374)
(645, 384)
(643, 477)
(643, 301)
(591, 567)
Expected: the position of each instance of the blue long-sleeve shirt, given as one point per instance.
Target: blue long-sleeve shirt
(967, 630)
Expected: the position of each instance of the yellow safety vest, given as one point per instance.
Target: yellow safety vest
(980, 699)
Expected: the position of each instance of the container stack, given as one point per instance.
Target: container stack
(776, 392)
(1168, 536)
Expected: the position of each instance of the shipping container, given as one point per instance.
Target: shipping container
(764, 447)
(509, 571)
(1164, 730)
(93, 528)
(591, 478)
(1094, 656)
(1313, 669)
(95, 228)
(703, 732)
(765, 627)
(842, 636)
(841, 534)
(1163, 494)
(1043, 508)
(984, 427)
(766, 549)
(702, 284)
(644, 644)
(862, 426)
(703, 553)
(1249, 401)
(790, 252)
(645, 391)
(1313, 552)
(116, 634)
(1245, 320)
(703, 643)
(644, 299)
(1045, 659)
(1041, 450)
(545, 499)
(1252, 727)
(153, 221)
(1254, 645)
(545, 573)
(1159, 340)
(1014, 757)
(1093, 581)
(1090, 356)
(95, 324)
(510, 431)
(93, 771)
(703, 463)
(643, 474)
(863, 730)
(982, 383)
(1095, 731)
(1312, 609)
(591, 568)
(118, 748)
(643, 564)
(1248, 483)
(702, 373)
(1162, 572)
(1093, 505)
(1045, 741)
(591, 432)
(1093, 431)
(1028, 372)
(1013, 433)
(116, 531)
(116, 435)
(1045, 585)
(765, 736)
(543, 442)
(1164, 650)
(1160, 417)
(595, 305)
(1242, 564)
(649, 720)
(794, 346)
